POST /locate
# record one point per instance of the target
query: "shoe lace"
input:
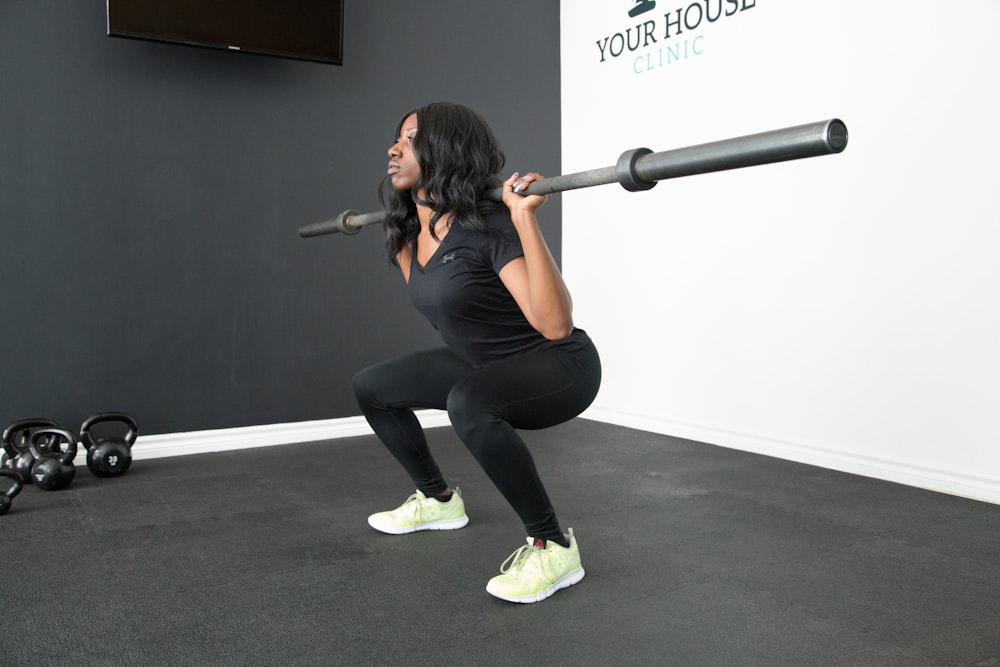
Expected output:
(517, 560)
(411, 506)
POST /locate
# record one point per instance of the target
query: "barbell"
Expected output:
(640, 168)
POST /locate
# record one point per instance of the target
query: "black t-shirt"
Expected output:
(460, 292)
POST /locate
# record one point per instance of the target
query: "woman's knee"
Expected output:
(468, 409)
(365, 385)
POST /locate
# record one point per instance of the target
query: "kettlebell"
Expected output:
(53, 470)
(17, 454)
(13, 490)
(112, 456)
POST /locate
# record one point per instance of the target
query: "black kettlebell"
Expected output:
(17, 454)
(12, 491)
(112, 456)
(53, 470)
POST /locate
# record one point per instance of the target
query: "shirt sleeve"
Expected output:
(502, 246)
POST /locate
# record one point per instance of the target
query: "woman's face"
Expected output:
(403, 169)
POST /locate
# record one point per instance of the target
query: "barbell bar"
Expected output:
(640, 168)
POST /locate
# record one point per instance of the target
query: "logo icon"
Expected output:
(447, 258)
(641, 7)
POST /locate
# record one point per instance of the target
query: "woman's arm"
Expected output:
(534, 280)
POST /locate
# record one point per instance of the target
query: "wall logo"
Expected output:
(672, 37)
(641, 7)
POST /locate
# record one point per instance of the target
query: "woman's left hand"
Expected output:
(518, 203)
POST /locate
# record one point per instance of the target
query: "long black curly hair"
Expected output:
(459, 158)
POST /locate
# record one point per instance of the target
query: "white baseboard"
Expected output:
(220, 440)
(943, 481)
(201, 442)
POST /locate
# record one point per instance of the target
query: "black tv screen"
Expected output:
(301, 29)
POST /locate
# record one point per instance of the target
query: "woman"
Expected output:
(484, 277)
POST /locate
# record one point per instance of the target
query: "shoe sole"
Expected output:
(447, 524)
(565, 581)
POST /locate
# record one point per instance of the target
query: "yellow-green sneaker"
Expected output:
(534, 572)
(421, 513)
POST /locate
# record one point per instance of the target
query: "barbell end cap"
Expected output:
(317, 229)
(836, 135)
(625, 170)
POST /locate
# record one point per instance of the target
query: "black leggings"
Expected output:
(525, 391)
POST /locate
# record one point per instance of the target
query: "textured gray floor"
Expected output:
(695, 555)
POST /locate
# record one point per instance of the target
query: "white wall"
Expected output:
(843, 310)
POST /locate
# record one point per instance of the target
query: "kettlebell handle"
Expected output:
(66, 457)
(88, 439)
(9, 445)
(15, 487)
(11, 492)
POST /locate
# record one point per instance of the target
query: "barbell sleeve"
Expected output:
(640, 168)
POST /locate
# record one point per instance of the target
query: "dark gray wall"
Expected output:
(150, 196)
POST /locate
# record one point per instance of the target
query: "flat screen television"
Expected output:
(300, 29)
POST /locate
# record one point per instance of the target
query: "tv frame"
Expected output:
(164, 36)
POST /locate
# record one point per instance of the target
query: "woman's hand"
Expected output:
(518, 203)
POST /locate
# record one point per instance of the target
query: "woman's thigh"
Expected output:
(417, 380)
(531, 391)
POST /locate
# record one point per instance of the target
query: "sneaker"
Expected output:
(421, 513)
(533, 573)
